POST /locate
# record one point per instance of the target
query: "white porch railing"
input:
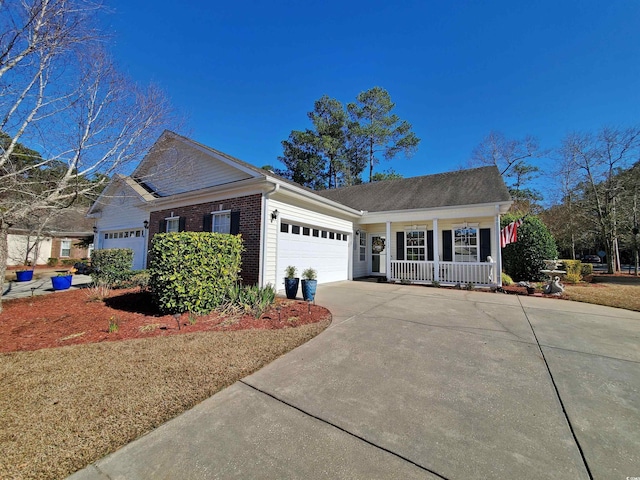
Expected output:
(477, 273)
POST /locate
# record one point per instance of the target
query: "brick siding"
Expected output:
(250, 214)
(76, 252)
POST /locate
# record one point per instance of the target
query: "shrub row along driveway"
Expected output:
(413, 382)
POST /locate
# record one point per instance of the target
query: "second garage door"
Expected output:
(133, 239)
(304, 246)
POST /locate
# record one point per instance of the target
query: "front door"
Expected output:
(378, 254)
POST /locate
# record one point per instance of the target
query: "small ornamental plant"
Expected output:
(290, 272)
(309, 274)
(113, 325)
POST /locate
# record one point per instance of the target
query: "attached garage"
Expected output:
(304, 246)
(133, 239)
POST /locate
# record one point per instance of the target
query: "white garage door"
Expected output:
(304, 246)
(133, 239)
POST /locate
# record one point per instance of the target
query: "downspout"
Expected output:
(263, 235)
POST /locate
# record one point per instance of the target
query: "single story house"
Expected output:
(65, 235)
(438, 228)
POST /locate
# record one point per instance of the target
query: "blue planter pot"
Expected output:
(61, 283)
(291, 287)
(309, 289)
(24, 275)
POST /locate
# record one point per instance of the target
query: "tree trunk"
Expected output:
(609, 249)
(4, 245)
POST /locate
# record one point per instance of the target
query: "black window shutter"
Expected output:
(182, 222)
(485, 243)
(207, 223)
(162, 227)
(399, 245)
(430, 245)
(235, 223)
(447, 246)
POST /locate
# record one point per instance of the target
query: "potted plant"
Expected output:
(24, 274)
(62, 281)
(309, 284)
(291, 282)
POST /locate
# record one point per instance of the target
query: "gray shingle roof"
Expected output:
(462, 187)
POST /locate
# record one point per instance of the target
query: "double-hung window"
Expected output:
(415, 244)
(173, 224)
(221, 222)
(65, 248)
(465, 244)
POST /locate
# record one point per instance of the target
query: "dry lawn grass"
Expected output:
(609, 294)
(64, 408)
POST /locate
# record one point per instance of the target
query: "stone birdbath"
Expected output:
(551, 269)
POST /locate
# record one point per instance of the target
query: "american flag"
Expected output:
(509, 234)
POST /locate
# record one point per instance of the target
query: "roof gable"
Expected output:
(176, 164)
(121, 187)
(463, 187)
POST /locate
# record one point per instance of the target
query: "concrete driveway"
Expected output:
(417, 382)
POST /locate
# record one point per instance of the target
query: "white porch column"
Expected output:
(388, 256)
(498, 267)
(436, 251)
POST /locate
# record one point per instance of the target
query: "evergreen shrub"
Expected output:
(524, 259)
(193, 271)
(111, 266)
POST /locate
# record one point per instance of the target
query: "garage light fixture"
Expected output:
(146, 224)
(274, 215)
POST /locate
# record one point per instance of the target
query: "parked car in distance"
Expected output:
(591, 259)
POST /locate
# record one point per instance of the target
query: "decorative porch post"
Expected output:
(436, 251)
(498, 266)
(388, 256)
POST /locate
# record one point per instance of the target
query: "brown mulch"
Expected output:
(64, 408)
(74, 317)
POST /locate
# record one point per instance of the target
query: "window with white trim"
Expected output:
(221, 222)
(65, 248)
(465, 244)
(415, 246)
(173, 224)
(363, 246)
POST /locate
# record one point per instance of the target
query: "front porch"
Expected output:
(482, 274)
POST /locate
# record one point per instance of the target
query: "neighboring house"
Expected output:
(67, 235)
(442, 228)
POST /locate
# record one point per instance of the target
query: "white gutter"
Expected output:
(316, 199)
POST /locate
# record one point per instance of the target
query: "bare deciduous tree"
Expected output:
(61, 95)
(513, 158)
(597, 162)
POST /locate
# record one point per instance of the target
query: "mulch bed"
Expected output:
(73, 317)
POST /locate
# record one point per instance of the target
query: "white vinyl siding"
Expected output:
(170, 172)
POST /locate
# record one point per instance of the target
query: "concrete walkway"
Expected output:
(40, 286)
(416, 382)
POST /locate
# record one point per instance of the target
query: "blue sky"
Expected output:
(245, 73)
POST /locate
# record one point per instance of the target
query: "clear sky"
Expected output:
(245, 73)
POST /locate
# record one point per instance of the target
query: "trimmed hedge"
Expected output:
(111, 266)
(193, 271)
